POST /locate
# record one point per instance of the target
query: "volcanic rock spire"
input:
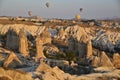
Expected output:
(23, 43)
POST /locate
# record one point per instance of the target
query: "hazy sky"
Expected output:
(61, 8)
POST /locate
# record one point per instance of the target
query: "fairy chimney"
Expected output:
(23, 43)
(39, 48)
(89, 49)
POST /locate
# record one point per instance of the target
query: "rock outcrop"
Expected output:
(116, 60)
(77, 40)
(39, 48)
(105, 61)
(23, 43)
(45, 37)
(12, 40)
(43, 67)
(12, 61)
(51, 49)
(96, 61)
(51, 73)
(89, 49)
(107, 40)
(102, 61)
(10, 74)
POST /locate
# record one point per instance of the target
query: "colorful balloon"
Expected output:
(78, 16)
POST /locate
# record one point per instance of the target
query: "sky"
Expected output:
(66, 9)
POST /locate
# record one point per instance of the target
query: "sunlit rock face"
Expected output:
(89, 49)
(105, 61)
(45, 36)
(116, 60)
(10, 74)
(23, 43)
(102, 60)
(39, 48)
(30, 29)
(96, 61)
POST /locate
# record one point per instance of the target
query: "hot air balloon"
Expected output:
(81, 9)
(78, 16)
(30, 13)
(47, 4)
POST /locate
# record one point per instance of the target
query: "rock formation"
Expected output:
(102, 60)
(84, 38)
(105, 61)
(82, 49)
(12, 61)
(96, 61)
(79, 47)
(23, 43)
(61, 34)
(77, 40)
(45, 37)
(89, 49)
(116, 60)
(43, 67)
(9, 74)
(72, 44)
(49, 73)
(107, 40)
(12, 40)
(51, 49)
(39, 48)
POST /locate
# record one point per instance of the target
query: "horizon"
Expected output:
(91, 9)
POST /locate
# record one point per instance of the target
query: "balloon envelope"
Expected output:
(30, 13)
(47, 4)
(78, 16)
(81, 9)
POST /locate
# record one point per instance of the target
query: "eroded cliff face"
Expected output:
(78, 38)
(30, 29)
(106, 40)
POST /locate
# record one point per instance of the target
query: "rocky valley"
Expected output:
(59, 49)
